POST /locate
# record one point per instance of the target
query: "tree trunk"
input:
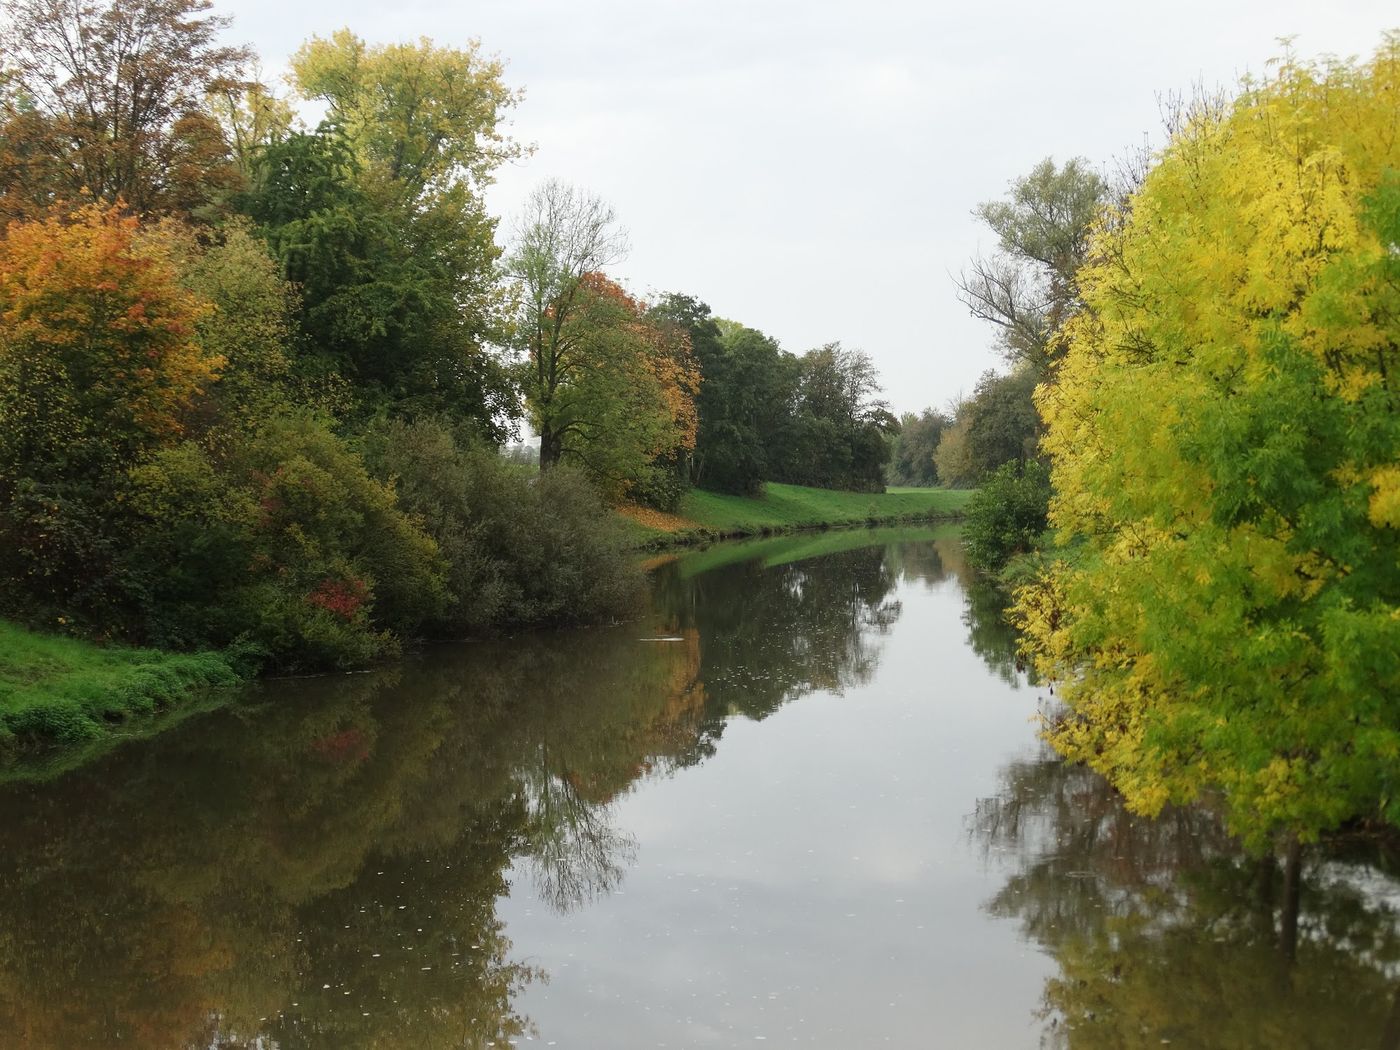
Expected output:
(551, 447)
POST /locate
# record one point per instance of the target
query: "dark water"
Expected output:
(799, 803)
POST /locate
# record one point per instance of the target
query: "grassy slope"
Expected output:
(788, 507)
(56, 689)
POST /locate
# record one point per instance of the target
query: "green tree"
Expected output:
(628, 406)
(562, 236)
(1007, 514)
(1028, 288)
(839, 434)
(745, 401)
(998, 424)
(911, 454)
(1224, 437)
(395, 291)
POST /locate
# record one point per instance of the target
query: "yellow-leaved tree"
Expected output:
(1225, 432)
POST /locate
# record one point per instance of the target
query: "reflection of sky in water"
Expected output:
(813, 881)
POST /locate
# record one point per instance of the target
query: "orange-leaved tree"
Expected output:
(99, 358)
(99, 364)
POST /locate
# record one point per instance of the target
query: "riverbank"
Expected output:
(707, 516)
(56, 690)
(65, 691)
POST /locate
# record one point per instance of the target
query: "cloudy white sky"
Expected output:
(809, 167)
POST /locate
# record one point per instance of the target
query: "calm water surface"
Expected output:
(799, 802)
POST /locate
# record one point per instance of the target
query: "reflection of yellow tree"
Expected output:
(1165, 933)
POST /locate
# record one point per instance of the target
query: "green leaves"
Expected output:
(1224, 436)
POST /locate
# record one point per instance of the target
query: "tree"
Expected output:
(998, 424)
(745, 402)
(1007, 514)
(100, 365)
(421, 116)
(911, 455)
(1224, 436)
(117, 95)
(563, 235)
(248, 325)
(396, 292)
(1028, 288)
(99, 361)
(629, 399)
(838, 437)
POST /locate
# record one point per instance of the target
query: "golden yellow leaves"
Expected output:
(1225, 447)
(1385, 498)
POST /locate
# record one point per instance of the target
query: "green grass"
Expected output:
(63, 691)
(786, 508)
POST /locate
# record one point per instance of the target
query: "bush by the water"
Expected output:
(517, 546)
(1007, 515)
(280, 538)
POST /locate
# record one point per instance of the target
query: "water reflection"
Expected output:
(1164, 933)
(331, 864)
(321, 866)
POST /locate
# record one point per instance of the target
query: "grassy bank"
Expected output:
(707, 516)
(61, 690)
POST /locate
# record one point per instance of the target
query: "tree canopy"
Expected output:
(108, 103)
(1224, 433)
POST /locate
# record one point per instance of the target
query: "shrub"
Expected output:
(521, 548)
(281, 540)
(1007, 515)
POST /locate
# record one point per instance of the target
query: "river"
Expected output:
(800, 801)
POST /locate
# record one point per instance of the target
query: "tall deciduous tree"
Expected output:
(1028, 288)
(563, 235)
(116, 95)
(1225, 433)
(396, 290)
(99, 358)
(911, 455)
(839, 435)
(630, 396)
(427, 116)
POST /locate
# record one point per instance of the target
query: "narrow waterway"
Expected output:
(798, 802)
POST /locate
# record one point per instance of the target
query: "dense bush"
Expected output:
(281, 539)
(519, 547)
(1007, 515)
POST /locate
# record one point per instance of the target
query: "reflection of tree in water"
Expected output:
(321, 867)
(576, 851)
(1166, 934)
(772, 634)
(989, 632)
(324, 870)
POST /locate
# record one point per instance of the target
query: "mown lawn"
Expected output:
(62, 690)
(787, 507)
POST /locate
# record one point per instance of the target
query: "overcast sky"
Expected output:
(809, 168)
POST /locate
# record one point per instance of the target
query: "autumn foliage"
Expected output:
(99, 361)
(1225, 431)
